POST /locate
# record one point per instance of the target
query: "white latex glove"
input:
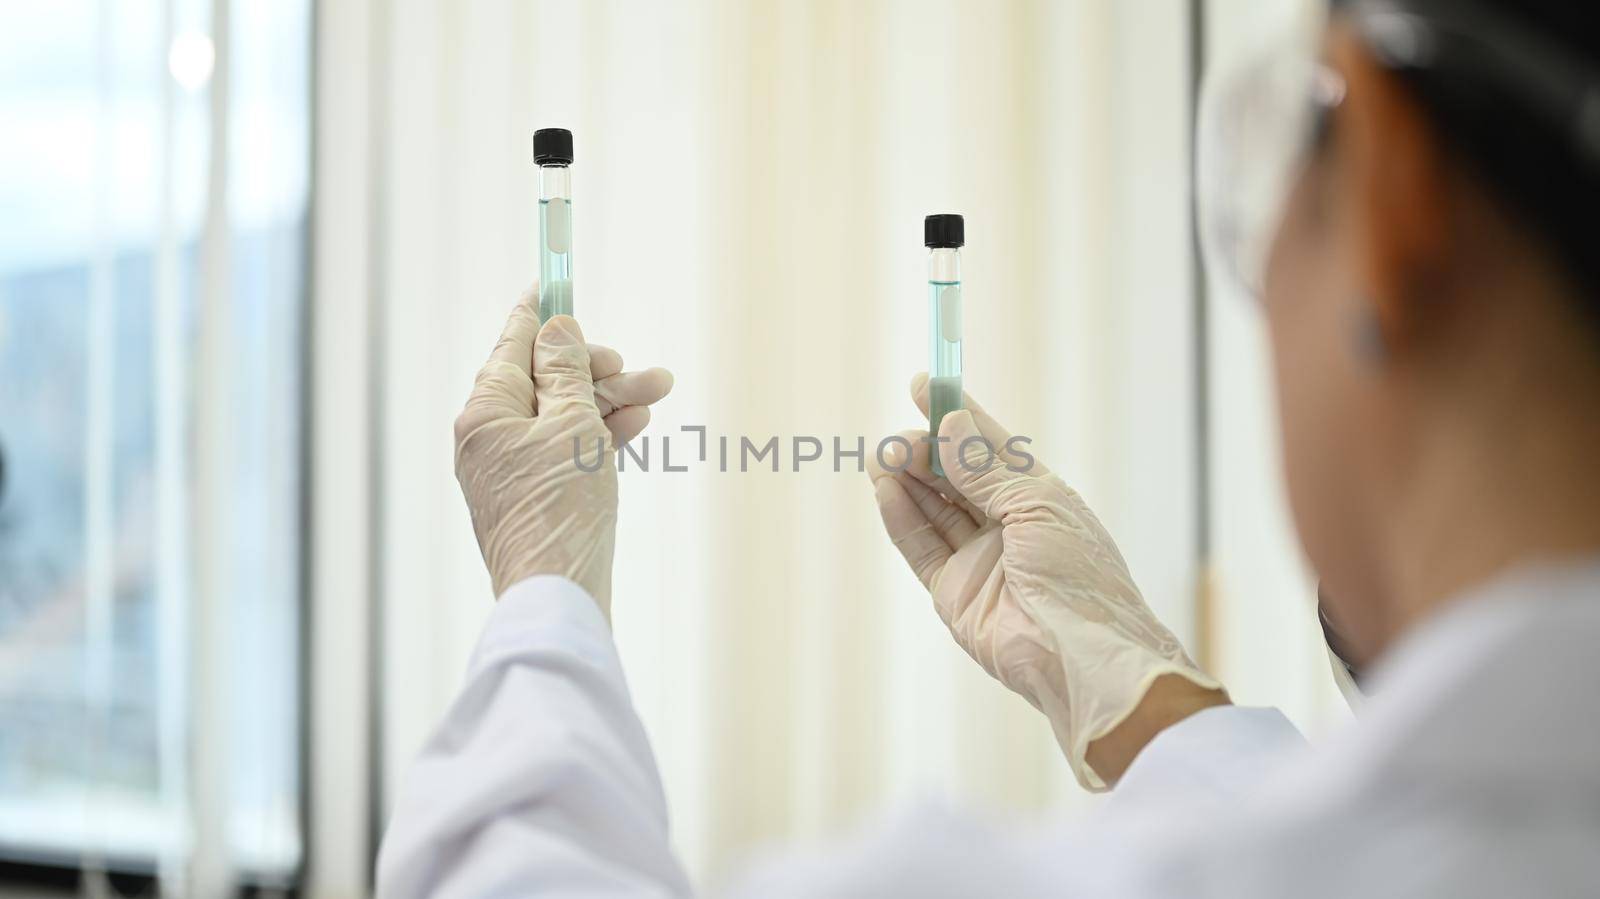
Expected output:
(1028, 581)
(534, 509)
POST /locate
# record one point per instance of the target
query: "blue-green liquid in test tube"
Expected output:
(552, 150)
(944, 235)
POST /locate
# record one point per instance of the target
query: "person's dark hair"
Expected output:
(1534, 168)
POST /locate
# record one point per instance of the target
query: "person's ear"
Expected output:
(1396, 195)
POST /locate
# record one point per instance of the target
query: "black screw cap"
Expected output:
(944, 230)
(552, 146)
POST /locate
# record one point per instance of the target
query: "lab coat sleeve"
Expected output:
(539, 780)
(1211, 756)
(1126, 848)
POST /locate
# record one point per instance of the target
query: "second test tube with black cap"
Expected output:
(552, 150)
(943, 235)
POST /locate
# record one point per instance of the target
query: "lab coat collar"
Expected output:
(1501, 683)
(1479, 619)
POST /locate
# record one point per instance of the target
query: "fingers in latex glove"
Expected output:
(504, 386)
(615, 390)
(924, 548)
(1026, 578)
(603, 362)
(916, 465)
(624, 399)
(530, 421)
(924, 524)
(979, 470)
(627, 423)
(996, 436)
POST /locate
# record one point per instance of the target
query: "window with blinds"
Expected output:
(153, 203)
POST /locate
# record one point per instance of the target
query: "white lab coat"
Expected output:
(1474, 770)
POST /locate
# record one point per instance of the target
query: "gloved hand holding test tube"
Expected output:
(552, 150)
(943, 235)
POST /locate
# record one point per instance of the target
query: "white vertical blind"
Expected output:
(98, 486)
(210, 863)
(172, 370)
(345, 253)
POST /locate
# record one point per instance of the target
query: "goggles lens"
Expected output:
(1256, 124)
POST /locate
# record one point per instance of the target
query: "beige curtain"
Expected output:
(748, 192)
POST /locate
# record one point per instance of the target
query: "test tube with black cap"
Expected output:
(943, 235)
(552, 150)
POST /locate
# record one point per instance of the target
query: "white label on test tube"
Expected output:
(950, 313)
(558, 225)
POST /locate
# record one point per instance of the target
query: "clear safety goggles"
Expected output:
(1259, 121)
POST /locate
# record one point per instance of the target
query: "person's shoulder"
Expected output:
(1393, 829)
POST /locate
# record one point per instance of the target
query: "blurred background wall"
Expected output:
(749, 185)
